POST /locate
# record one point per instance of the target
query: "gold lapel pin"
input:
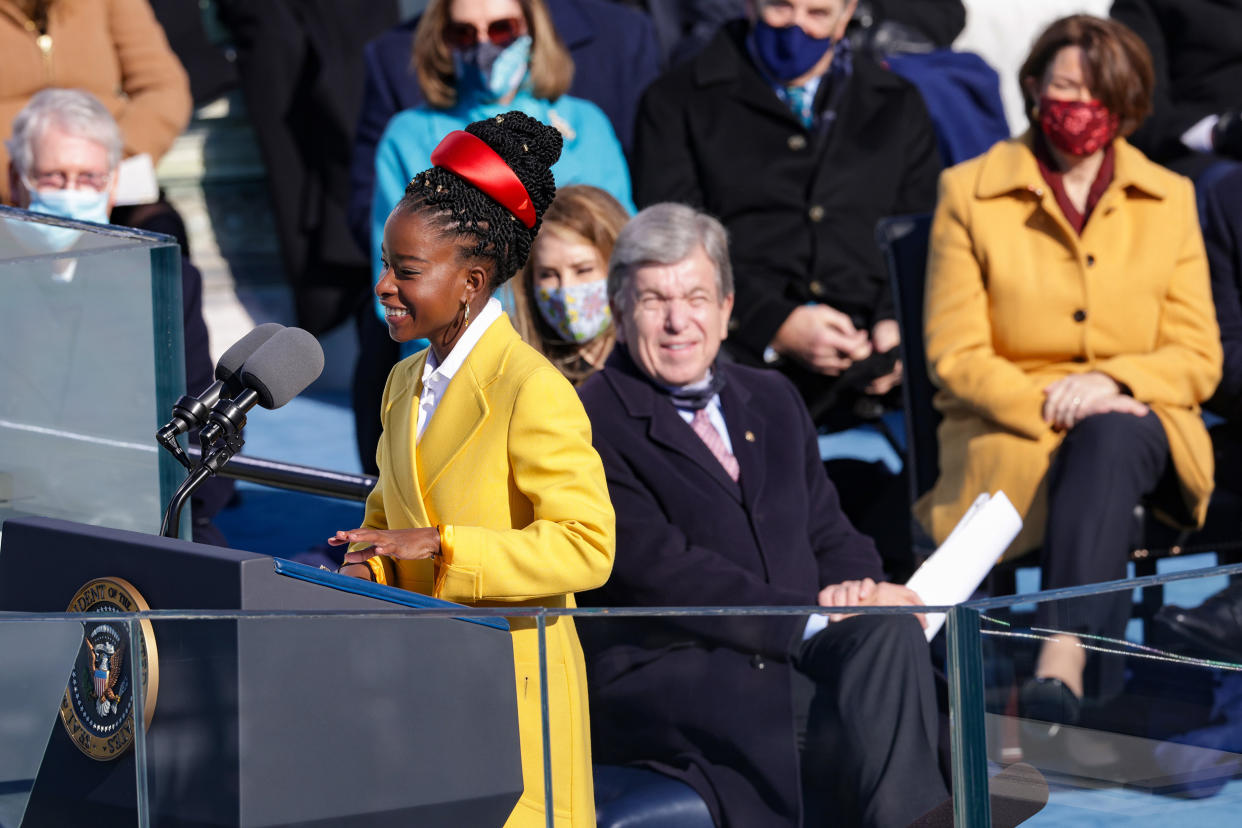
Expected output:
(750, 436)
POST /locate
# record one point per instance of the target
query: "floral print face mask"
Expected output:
(1077, 128)
(578, 313)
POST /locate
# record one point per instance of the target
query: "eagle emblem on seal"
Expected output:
(107, 649)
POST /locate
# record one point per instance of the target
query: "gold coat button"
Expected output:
(797, 142)
(817, 288)
(816, 213)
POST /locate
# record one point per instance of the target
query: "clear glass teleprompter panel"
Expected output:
(39, 656)
(737, 710)
(91, 360)
(249, 719)
(1156, 738)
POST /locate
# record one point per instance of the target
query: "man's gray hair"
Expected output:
(77, 113)
(665, 234)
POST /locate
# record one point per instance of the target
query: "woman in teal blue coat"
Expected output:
(479, 58)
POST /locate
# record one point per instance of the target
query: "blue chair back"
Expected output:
(904, 242)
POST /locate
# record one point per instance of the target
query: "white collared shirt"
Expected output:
(437, 375)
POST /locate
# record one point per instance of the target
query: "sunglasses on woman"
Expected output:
(500, 32)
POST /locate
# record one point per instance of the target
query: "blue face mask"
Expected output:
(491, 71)
(78, 205)
(787, 53)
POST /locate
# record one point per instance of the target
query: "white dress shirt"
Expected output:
(437, 375)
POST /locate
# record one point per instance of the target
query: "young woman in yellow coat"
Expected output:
(1070, 328)
(489, 491)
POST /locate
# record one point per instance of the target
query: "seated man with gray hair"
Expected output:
(721, 500)
(64, 154)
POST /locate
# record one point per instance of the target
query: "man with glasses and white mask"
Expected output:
(64, 154)
(721, 500)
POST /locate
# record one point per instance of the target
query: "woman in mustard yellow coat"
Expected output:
(489, 492)
(1070, 328)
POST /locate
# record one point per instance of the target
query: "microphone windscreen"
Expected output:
(283, 366)
(228, 369)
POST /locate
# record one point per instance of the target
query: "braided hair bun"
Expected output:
(492, 232)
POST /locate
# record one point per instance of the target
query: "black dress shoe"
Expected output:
(1049, 700)
(1214, 627)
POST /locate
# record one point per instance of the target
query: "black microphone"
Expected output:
(189, 412)
(277, 372)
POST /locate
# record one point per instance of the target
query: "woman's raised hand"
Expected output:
(402, 544)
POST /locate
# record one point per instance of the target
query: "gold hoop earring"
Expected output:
(460, 321)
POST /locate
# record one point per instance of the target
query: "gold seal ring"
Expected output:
(97, 709)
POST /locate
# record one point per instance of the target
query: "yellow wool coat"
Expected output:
(506, 469)
(1016, 299)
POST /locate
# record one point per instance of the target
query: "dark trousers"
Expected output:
(870, 750)
(1104, 467)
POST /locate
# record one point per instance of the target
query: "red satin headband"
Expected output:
(471, 158)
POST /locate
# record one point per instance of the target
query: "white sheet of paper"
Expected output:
(955, 570)
(135, 181)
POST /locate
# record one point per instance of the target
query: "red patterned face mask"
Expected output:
(1076, 127)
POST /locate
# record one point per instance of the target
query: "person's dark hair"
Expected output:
(1117, 66)
(492, 233)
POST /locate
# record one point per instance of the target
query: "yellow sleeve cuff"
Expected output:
(379, 572)
(456, 578)
(446, 545)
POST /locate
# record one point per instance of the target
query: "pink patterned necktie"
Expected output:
(702, 425)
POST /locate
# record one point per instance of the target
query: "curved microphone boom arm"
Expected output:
(209, 467)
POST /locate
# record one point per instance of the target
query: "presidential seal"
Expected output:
(98, 707)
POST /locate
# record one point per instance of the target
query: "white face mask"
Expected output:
(579, 313)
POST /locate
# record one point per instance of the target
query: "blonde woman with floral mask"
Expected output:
(561, 299)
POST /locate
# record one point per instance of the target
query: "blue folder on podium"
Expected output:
(318, 718)
(380, 592)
